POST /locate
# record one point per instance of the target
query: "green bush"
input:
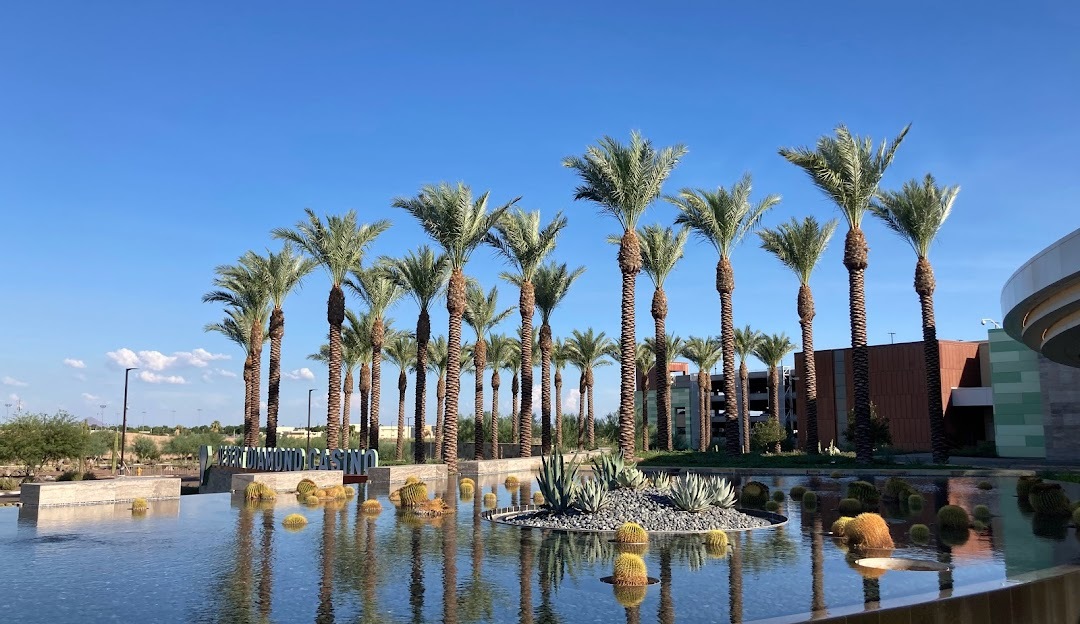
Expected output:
(1024, 485)
(8, 483)
(879, 428)
(772, 506)
(764, 436)
(919, 533)
(70, 475)
(809, 499)
(145, 449)
(981, 512)
(953, 517)
(33, 440)
(1049, 499)
(754, 494)
(915, 502)
(850, 507)
(778, 496)
(897, 489)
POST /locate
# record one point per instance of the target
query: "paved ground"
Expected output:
(1004, 463)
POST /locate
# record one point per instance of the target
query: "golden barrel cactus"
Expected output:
(629, 570)
(631, 533)
(868, 530)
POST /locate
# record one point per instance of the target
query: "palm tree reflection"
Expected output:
(416, 580)
(266, 567)
(324, 613)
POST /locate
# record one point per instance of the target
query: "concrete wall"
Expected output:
(1060, 391)
(1018, 397)
(286, 481)
(122, 489)
(384, 475)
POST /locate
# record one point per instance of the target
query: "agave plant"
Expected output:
(557, 481)
(632, 479)
(591, 496)
(661, 481)
(721, 493)
(690, 492)
(608, 467)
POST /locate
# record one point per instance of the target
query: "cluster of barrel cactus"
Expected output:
(259, 491)
(867, 531)
(754, 494)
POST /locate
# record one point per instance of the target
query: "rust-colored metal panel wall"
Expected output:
(826, 383)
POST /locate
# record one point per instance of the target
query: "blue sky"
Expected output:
(143, 144)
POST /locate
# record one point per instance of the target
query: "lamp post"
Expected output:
(308, 424)
(992, 322)
(123, 435)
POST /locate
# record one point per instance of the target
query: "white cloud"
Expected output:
(124, 357)
(572, 401)
(91, 398)
(225, 373)
(210, 375)
(80, 376)
(155, 378)
(300, 373)
(14, 398)
(199, 357)
(11, 381)
(158, 361)
(73, 363)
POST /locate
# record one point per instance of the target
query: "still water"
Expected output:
(215, 558)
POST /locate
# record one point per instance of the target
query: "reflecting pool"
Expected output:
(217, 558)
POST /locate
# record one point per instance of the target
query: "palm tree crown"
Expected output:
(917, 211)
(722, 218)
(421, 273)
(552, 282)
(661, 248)
(702, 352)
(799, 245)
(482, 310)
(338, 245)
(674, 349)
(773, 349)
(519, 238)
(747, 341)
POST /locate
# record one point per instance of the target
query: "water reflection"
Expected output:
(416, 578)
(525, 554)
(266, 564)
(449, 589)
(324, 612)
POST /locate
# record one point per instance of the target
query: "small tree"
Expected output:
(32, 440)
(879, 428)
(765, 436)
(145, 449)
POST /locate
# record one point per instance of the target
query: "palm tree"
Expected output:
(499, 350)
(848, 169)
(623, 180)
(243, 287)
(723, 218)
(552, 282)
(423, 275)
(661, 248)
(401, 351)
(284, 273)
(661, 371)
(591, 350)
(747, 342)
(238, 326)
(355, 349)
(916, 212)
(513, 364)
(378, 291)
(771, 351)
(519, 238)
(559, 357)
(459, 224)
(800, 245)
(339, 246)
(704, 353)
(439, 362)
(482, 314)
(646, 362)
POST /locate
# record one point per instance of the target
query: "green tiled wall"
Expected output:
(1018, 406)
(680, 397)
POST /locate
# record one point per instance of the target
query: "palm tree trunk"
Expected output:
(592, 420)
(704, 413)
(663, 390)
(346, 408)
(856, 261)
(335, 316)
(256, 377)
(809, 373)
(495, 383)
(666, 614)
(774, 400)
(629, 266)
(378, 335)
(725, 285)
(440, 406)
(479, 363)
(525, 556)
(449, 545)
(924, 286)
(324, 613)
(402, 385)
(266, 567)
(277, 332)
(581, 412)
(423, 336)
(558, 409)
(545, 388)
(744, 408)
(527, 304)
(247, 398)
(735, 580)
(645, 415)
(416, 576)
(817, 567)
(365, 396)
(455, 305)
(515, 422)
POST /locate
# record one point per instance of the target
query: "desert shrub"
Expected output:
(591, 496)
(690, 492)
(251, 492)
(145, 449)
(797, 492)
(632, 479)
(915, 502)
(89, 476)
(7, 483)
(371, 506)
(754, 494)
(837, 528)
(294, 521)
(717, 539)
(1024, 485)
(629, 569)
(864, 492)
(33, 440)
(951, 517)
(764, 436)
(868, 530)
(1049, 499)
(772, 506)
(70, 475)
(778, 496)
(661, 481)
(981, 512)
(919, 533)
(306, 486)
(631, 533)
(985, 485)
(557, 481)
(809, 500)
(850, 507)
(879, 428)
(721, 492)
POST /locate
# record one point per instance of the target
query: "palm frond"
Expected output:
(702, 352)
(589, 349)
(551, 283)
(661, 248)
(722, 217)
(338, 244)
(747, 341)
(519, 238)
(422, 274)
(773, 349)
(482, 311)
(799, 245)
(917, 211)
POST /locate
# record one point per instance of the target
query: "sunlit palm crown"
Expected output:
(242, 285)
(482, 311)
(355, 339)
(500, 349)
(624, 179)
(674, 346)
(285, 271)
(438, 358)
(847, 168)
(551, 282)
(773, 348)
(588, 350)
(799, 244)
(376, 289)
(421, 273)
(560, 354)
(645, 358)
(338, 245)
(467, 361)
(519, 238)
(747, 341)
(917, 211)
(722, 218)
(661, 248)
(453, 219)
(702, 352)
(401, 350)
(236, 326)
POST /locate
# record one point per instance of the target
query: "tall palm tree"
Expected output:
(243, 286)
(623, 180)
(661, 371)
(916, 212)
(772, 350)
(237, 326)
(559, 357)
(459, 224)
(848, 169)
(482, 314)
(499, 350)
(661, 248)
(747, 341)
(703, 353)
(799, 245)
(513, 364)
(338, 245)
(439, 362)
(591, 350)
(401, 351)
(646, 362)
(378, 291)
(355, 349)
(552, 282)
(423, 275)
(284, 273)
(723, 218)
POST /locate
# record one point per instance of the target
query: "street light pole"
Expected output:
(308, 424)
(123, 435)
